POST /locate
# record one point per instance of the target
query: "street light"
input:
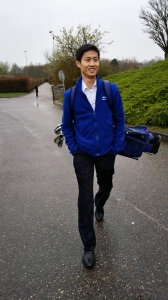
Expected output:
(52, 33)
(26, 63)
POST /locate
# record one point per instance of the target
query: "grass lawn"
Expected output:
(11, 95)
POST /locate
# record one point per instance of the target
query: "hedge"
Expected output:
(19, 84)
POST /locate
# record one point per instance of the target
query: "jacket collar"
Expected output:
(79, 82)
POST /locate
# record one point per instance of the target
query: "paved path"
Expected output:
(40, 246)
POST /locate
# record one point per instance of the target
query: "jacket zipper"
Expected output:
(97, 137)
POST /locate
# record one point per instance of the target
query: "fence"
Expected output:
(58, 91)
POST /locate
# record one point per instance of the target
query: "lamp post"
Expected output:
(52, 33)
(26, 63)
(54, 61)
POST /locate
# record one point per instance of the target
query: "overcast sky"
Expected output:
(25, 26)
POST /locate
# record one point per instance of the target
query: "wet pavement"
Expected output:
(41, 252)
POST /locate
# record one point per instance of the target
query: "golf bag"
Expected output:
(137, 138)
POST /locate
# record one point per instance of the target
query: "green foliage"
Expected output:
(145, 94)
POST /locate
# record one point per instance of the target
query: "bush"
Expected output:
(19, 84)
(145, 94)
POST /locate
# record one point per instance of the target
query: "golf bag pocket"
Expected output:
(133, 147)
(135, 140)
(153, 143)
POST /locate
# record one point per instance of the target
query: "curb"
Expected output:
(57, 102)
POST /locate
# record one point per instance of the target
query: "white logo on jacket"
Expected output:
(104, 98)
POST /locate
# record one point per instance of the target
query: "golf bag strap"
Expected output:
(108, 92)
(73, 94)
(72, 98)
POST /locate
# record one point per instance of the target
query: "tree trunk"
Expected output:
(166, 54)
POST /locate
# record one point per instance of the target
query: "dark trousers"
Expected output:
(84, 168)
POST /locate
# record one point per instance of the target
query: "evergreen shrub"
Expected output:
(145, 94)
(19, 84)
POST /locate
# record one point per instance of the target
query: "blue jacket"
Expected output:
(93, 131)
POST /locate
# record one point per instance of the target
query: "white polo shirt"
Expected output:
(90, 93)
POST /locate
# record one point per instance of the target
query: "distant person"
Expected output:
(36, 88)
(94, 142)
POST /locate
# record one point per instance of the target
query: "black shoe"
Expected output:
(99, 216)
(89, 259)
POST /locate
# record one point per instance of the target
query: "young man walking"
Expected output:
(94, 137)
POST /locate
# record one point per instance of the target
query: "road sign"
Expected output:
(61, 75)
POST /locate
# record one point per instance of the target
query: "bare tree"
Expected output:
(68, 41)
(4, 68)
(15, 70)
(156, 23)
(66, 44)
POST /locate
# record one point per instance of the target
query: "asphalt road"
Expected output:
(41, 252)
